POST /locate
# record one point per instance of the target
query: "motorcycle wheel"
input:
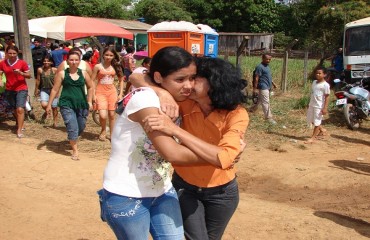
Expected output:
(95, 116)
(351, 116)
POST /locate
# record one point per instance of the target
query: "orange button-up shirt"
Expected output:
(222, 128)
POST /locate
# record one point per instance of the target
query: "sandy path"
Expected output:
(321, 192)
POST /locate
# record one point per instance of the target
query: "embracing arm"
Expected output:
(166, 146)
(143, 80)
(168, 103)
(222, 155)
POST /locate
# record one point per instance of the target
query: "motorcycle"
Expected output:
(354, 99)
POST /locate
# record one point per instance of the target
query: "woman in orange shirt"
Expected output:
(106, 95)
(213, 127)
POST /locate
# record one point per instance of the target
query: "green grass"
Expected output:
(295, 69)
(289, 109)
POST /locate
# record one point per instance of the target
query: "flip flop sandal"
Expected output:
(20, 135)
(102, 138)
(75, 158)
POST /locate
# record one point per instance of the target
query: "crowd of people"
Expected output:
(171, 172)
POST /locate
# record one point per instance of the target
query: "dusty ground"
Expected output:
(288, 190)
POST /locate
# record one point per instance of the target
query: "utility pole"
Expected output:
(22, 36)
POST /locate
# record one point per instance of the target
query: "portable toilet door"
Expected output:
(181, 34)
(210, 40)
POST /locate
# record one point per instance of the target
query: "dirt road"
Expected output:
(319, 191)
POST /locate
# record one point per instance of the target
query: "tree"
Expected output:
(37, 8)
(326, 31)
(155, 11)
(263, 16)
(234, 16)
(98, 8)
(6, 7)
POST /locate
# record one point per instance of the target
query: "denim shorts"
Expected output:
(75, 121)
(134, 218)
(16, 99)
(44, 97)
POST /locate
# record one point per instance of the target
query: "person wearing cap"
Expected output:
(78, 44)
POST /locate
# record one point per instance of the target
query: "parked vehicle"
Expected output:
(354, 99)
(356, 50)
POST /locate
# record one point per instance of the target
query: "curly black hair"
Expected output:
(224, 81)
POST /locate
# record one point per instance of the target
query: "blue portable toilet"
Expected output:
(210, 40)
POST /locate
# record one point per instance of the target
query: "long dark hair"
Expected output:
(168, 60)
(115, 61)
(224, 81)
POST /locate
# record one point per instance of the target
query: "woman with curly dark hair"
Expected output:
(213, 127)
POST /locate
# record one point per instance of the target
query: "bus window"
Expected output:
(357, 41)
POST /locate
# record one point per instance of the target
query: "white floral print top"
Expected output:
(135, 169)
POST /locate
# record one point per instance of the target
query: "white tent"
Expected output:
(6, 26)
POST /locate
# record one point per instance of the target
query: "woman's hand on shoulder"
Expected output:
(168, 104)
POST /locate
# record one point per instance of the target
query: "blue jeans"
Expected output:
(75, 121)
(133, 218)
(206, 211)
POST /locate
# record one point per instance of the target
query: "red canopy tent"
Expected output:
(72, 27)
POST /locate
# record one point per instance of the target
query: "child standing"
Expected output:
(318, 103)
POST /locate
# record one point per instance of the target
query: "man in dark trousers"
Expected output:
(262, 84)
(38, 54)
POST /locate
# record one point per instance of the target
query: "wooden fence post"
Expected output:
(284, 74)
(240, 49)
(305, 69)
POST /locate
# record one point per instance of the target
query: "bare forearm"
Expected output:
(140, 80)
(255, 82)
(53, 94)
(121, 86)
(326, 103)
(27, 74)
(207, 152)
(90, 94)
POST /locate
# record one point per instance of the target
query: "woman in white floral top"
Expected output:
(137, 195)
